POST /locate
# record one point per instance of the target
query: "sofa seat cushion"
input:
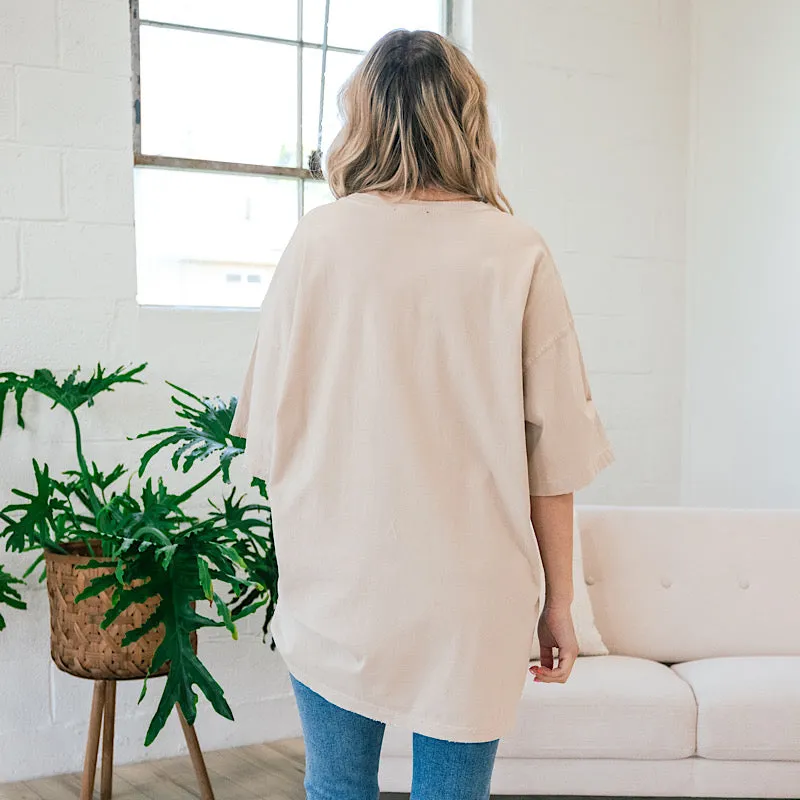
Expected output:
(748, 707)
(610, 707)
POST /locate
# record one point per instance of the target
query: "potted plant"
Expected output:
(127, 563)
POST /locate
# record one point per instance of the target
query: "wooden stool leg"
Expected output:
(93, 740)
(107, 764)
(196, 754)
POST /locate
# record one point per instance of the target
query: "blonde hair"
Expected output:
(415, 117)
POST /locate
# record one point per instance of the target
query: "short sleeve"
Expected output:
(566, 442)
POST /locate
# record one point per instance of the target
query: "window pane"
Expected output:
(218, 98)
(210, 239)
(338, 69)
(265, 17)
(316, 193)
(359, 23)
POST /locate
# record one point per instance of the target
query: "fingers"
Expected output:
(547, 673)
(546, 656)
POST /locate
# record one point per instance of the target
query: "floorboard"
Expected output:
(272, 771)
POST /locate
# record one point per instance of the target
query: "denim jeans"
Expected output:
(343, 750)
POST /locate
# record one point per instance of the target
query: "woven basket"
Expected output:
(78, 645)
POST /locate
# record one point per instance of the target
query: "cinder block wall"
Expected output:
(590, 100)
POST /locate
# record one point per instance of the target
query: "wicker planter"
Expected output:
(78, 645)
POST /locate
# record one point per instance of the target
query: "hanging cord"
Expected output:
(315, 160)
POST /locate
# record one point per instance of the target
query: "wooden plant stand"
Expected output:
(101, 720)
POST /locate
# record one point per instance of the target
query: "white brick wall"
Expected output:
(606, 190)
(591, 105)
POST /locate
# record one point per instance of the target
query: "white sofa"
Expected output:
(700, 694)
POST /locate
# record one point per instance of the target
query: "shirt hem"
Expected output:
(576, 482)
(389, 716)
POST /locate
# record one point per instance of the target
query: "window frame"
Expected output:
(204, 165)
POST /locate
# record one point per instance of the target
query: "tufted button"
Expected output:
(588, 580)
(666, 583)
(744, 583)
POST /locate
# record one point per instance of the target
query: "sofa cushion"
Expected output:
(652, 571)
(610, 707)
(748, 707)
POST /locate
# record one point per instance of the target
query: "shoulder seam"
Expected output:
(550, 343)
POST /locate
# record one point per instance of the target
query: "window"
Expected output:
(232, 100)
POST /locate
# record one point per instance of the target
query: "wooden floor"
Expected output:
(266, 771)
(271, 771)
(259, 772)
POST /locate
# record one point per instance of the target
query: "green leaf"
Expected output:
(207, 433)
(29, 524)
(225, 614)
(9, 595)
(150, 624)
(97, 586)
(205, 579)
(124, 599)
(36, 562)
(72, 393)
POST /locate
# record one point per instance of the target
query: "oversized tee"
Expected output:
(416, 376)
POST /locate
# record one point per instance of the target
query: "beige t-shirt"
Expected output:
(416, 376)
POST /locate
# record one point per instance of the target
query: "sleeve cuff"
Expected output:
(573, 481)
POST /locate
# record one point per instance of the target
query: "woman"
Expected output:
(415, 398)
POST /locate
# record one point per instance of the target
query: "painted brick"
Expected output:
(28, 630)
(9, 261)
(623, 110)
(611, 38)
(72, 697)
(77, 260)
(227, 660)
(7, 115)
(641, 12)
(95, 36)
(99, 186)
(636, 401)
(643, 450)
(614, 344)
(631, 492)
(139, 334)
(249, 726)
(35, 441)
(620, 286)
(73, 109)
(31, 183)
(28, 32)
(28, 708)
(673, 18)
(131, 409)
(611, 229)
(58, 333)
(49, 752)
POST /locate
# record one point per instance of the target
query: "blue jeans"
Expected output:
(343, 750)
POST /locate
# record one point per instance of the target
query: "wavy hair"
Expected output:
(415, 117)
